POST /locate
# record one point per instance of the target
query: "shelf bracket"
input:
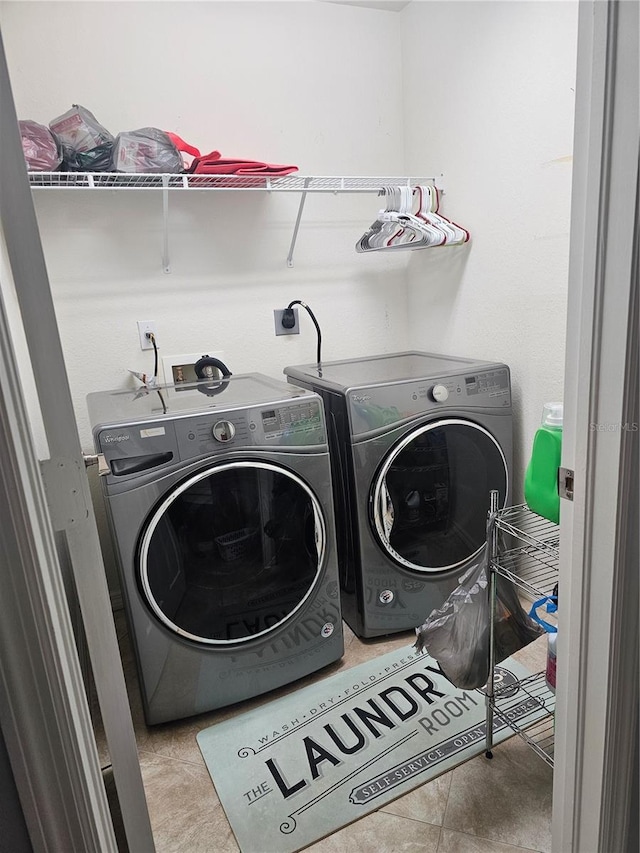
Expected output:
(303, 198)
(166, 267)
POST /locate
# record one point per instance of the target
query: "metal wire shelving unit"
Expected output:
(167, 183)
(534, 727)
(524, 549)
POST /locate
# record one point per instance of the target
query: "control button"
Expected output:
(252, 426)
(439, 393)
(191, 436)
(223, 431)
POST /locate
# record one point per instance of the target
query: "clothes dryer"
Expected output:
(418, 440)
(220, 504)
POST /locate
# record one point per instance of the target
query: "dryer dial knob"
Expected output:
(439, 393)
(223, 431)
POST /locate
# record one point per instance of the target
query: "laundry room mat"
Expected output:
(301, 767)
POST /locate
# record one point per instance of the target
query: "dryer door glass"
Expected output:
(431, 496)
(232, 553)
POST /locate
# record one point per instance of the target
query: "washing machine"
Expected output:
(418, 440)
(219, 499)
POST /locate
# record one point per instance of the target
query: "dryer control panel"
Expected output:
(493, 384)
(379, 406)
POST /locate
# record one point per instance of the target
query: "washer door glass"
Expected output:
(232, 552)
(431, 496)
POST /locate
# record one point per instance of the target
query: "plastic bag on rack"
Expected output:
(457, 634)
(86, 145)
(39, 146)
(149, 150)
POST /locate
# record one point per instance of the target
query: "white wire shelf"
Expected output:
(167, 183)
(269, 183)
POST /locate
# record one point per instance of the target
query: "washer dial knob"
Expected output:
(223, 431)
(439, 393)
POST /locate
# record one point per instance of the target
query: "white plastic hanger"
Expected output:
(396, 228)
(422, 233)
(428, 205)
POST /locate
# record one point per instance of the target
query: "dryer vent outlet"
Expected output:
(281, 314)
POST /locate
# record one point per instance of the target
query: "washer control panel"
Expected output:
(294, 424)
(300, 419)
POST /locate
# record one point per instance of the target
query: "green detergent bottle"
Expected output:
(541, 478)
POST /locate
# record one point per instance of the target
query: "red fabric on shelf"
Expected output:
(181, 145)
(213, 164)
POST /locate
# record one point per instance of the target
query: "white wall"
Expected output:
(488, 97)
(294, 83)
(480, 91)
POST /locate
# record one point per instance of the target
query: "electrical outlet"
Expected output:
(280, 329)
(145, 326)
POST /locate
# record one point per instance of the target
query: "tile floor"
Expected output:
(498, 806)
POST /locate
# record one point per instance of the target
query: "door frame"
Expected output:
(596, 744)
(45, 718)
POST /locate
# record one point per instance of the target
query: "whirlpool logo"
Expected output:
(121, 436)
(360, 398)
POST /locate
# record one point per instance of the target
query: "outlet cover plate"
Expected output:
(280, 330)
(145, 326)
